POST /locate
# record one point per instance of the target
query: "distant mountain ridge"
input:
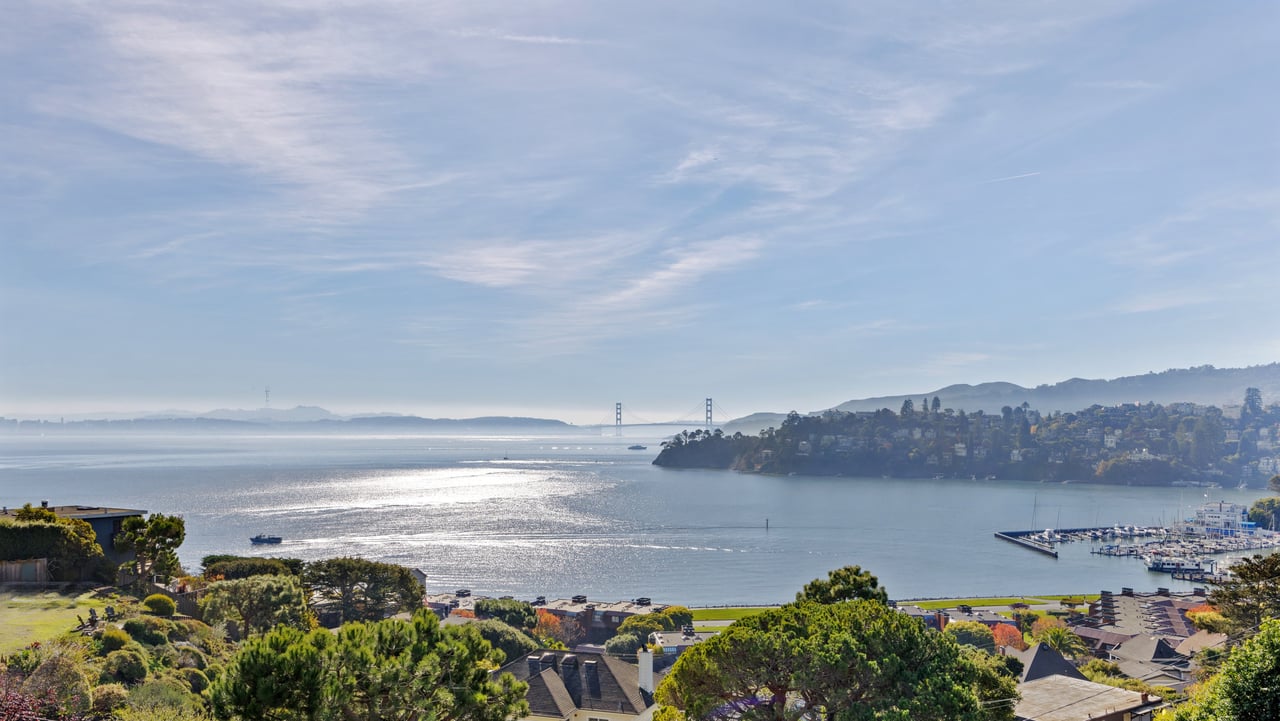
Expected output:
(1202, 385)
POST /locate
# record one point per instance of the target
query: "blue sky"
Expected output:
(464, 208)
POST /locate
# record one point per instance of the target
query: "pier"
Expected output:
(1023, 538)
(1043, 541)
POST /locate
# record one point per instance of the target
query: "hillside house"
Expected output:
(106, 523)
(578, 686)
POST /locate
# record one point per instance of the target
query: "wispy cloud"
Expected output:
(1007, 178)
(1120, 85)
(223, 93)
(495, 34)
(1160, 301)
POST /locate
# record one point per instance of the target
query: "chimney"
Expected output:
(941, 619)
(535, 664)
(1146, 697)
(646, 671)
(44, 504)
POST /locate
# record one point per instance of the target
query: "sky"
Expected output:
(544, 208)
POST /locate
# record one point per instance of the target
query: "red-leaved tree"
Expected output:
(1008, 635)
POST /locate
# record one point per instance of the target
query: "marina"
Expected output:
(1217, 529)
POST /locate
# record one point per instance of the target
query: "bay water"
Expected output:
(527, 516)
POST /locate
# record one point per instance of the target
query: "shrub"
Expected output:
(513, 642)
(642, 625)
(169, 694)
(165, 655)
(194, 678)
(232, 568)
(293, 566)
(516, 614)
(624, 644)
(126, 666)
(213, 671)
(148, 629)
(113, 639)
(26, 661)
(108, 697)
(679, 615)
(160, 604)
(63, 677)
(190, 657)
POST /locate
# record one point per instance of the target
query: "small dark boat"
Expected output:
(264, 538)
(636, 447)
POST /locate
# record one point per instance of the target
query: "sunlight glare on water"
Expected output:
(529, 516)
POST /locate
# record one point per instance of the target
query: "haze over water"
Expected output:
(561, 516)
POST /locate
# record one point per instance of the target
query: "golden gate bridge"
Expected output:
(689, 418)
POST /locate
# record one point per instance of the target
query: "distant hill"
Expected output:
(296, 420)
(1203, 385)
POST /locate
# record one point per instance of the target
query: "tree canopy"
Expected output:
(154, 541)
(851, 661)
(1251, 594)
(392, 669)
(511, 641)
(258, 603)
(844, 584)
(518, 614)
(363, 590)
(1246, 685)
(972, 633)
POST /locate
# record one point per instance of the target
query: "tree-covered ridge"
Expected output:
(1148, 444)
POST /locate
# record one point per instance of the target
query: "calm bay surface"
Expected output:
(530, 516)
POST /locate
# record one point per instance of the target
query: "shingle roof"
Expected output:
(561, 682)
(1147, 648)
(1058, 698)
(1200, 641)
(1099, 636)
(1040, 661)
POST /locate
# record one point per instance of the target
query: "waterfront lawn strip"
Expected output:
(41, 615)
(726, 614)
(943, 603)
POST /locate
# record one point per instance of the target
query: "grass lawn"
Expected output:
(1001, 601)
(42, 615)
(1088, 597)
(724, 614)
(953, 602)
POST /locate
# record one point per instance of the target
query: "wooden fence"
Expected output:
(35, 570)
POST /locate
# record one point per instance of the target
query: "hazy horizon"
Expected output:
(465, 209)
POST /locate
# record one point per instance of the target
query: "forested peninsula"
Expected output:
(1137, 444)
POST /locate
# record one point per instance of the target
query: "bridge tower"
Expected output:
(617, 418)
(710, 424)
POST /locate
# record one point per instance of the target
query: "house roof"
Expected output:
(1040, 661)
(1199, 642)
(1059, 698)
(1100, 636)
(1147, 648)
(561, 682)
(85, 512)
